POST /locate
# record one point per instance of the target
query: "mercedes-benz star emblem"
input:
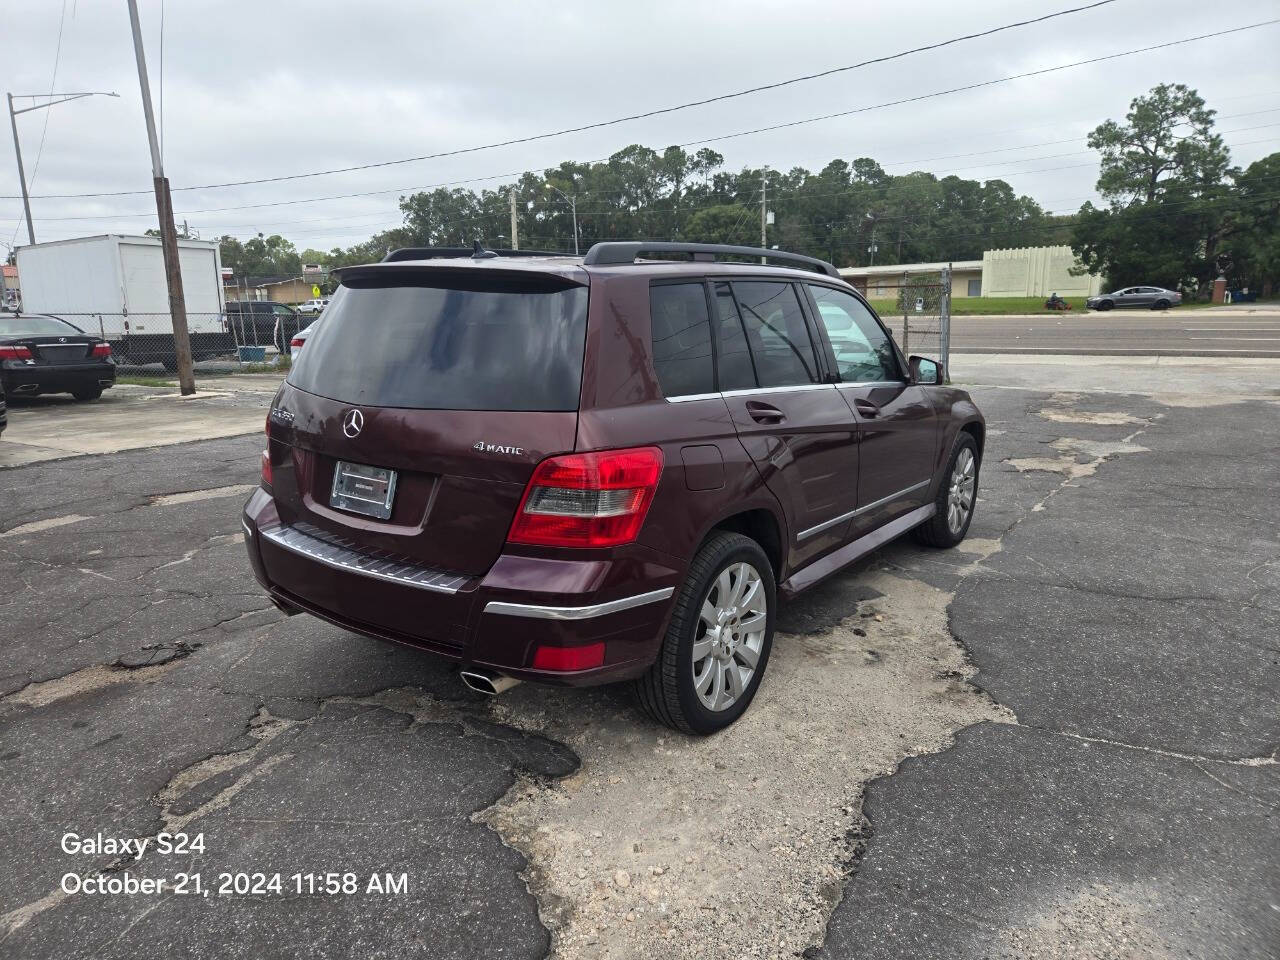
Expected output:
(353, 423)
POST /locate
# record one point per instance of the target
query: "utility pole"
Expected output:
(764, 211)
(22, 177)
(164, 210)
(515, 240)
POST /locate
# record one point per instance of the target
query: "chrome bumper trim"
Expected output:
(576, 613)
(334, 551)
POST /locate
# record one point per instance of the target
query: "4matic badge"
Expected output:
(481, 447)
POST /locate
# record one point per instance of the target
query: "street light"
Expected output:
(17, 149)
(573, 210)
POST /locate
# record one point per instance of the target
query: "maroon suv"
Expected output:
(587, 470)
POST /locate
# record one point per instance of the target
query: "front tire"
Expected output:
(957, 495)
(1105, 305)
(717, 644)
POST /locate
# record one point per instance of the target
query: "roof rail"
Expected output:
(613, 253)
(438, 253)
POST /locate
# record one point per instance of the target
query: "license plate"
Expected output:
(363, 489)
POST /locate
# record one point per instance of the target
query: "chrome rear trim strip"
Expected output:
(576, 613)
(336, 552)
(827, 524)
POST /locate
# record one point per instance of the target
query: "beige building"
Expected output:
(1023, 272)
(1035, 272)
(877, 283)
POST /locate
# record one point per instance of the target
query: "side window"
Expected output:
(776, 333)
(864, 353)
(736, 371)
(681, 338)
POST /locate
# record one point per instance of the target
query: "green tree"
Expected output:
(272, 256)
(1255, 246)
(1165, 176)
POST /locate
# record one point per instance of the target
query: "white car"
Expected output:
(313, 306)
(300, 339)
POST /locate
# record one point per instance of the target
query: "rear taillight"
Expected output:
(588, 499)
(102, 349)
(297, 342)
(15, 353)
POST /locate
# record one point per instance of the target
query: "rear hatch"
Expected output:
(416, 414)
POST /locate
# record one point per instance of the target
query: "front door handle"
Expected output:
(866, 408)
(764, 412)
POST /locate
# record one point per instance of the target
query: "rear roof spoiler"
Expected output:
(614, 253)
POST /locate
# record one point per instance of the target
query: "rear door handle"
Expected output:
(764, 412)
(866, 408)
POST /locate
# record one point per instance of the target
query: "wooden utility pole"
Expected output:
(764, 211)
(515, 240)
(164, 210)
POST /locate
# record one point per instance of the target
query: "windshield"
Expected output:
(36, 327)
(464, 343)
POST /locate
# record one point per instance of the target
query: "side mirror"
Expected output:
(925, 371)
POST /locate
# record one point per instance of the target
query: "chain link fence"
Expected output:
(922, 321)
(232, 339)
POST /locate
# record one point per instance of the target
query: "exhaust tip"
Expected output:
(490, 684)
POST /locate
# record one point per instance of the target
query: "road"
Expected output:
(1059, 740)
(1242, 333)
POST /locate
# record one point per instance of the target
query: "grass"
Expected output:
(146, 381)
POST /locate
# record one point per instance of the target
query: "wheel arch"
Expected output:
(760, 524)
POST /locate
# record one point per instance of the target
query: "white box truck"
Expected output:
(114, 285)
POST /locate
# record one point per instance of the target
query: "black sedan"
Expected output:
(41, 354)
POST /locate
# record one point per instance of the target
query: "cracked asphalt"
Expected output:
(1059, 741)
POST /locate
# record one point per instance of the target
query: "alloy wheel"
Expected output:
(960, 496)
(731, 630)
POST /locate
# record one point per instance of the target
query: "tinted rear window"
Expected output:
(26, 326)
(487, 344)
(681, 339)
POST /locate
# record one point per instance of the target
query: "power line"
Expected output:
(793, 123)
(656, 112)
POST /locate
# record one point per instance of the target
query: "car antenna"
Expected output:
(481, 253)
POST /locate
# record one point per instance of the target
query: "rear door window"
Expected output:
(681, 333)
(776, 333)
(449, 343)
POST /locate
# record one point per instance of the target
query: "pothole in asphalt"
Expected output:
(738, 843)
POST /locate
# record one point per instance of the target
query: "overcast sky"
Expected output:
(270, 88)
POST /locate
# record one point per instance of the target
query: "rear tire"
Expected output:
(669, 691)
(86, 395)
(1160, 305)
(961, 477)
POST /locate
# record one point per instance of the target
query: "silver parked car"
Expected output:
(300, 339)
(1154, 298)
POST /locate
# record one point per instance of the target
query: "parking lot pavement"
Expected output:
(1104, 785)
(129, 417)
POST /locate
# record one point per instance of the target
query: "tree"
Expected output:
(272, 256)
(1255, 248)
(1168, 194)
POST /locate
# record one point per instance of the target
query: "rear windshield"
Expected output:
(21, 326)
(474, 344)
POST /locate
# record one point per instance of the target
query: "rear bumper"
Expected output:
(23, 379)
(496, 621)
